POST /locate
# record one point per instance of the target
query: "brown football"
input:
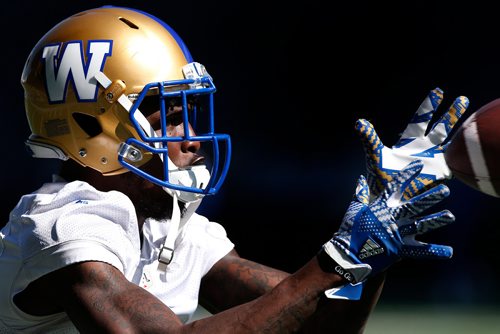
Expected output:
(473, 155)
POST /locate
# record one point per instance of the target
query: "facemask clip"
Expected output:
(129, 152)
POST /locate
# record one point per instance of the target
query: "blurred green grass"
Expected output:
(434, 319)
(426, 319)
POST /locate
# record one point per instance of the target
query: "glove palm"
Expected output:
(384, 162)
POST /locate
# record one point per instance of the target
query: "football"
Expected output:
(473, 154)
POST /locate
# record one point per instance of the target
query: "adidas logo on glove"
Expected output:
(370, 248)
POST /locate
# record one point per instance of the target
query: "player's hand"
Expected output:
(384, 162)
(374, 235)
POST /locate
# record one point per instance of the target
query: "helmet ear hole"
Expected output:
(88, 123)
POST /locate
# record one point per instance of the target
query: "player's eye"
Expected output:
(174, 119)
(149, 105)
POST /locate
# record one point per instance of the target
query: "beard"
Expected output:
(155, 203)
(150, 200)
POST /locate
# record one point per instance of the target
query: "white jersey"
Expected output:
(65, 223)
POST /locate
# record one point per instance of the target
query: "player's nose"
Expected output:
(189, 146)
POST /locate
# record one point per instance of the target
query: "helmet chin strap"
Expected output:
(194, 176)
(177, 221)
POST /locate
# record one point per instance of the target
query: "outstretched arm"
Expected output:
(98, 298)
(346, 316)
(367, 243)
(234, 280)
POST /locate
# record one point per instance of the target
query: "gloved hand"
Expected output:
(373, 235)
(384, 162)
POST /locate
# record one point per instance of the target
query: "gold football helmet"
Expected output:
(86, 81)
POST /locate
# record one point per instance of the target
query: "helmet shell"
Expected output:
(81, 122)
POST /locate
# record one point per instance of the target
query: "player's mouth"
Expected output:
(198, 161)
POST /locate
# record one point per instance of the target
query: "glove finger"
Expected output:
(424, 251)
(420, 184)
(370, 140)
(373, 146)
(362, 190)
(442, 128)
(423, 201)
(420, 121)
(427, 223)
(361, 196)
(402, 179)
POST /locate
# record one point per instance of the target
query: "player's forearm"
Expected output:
(346, 316)
(234, 281)
(283, 309)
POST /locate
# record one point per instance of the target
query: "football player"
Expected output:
(114, 242)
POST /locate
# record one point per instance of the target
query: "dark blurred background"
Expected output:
(292, 79)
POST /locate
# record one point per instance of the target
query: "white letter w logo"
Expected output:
(70, 65)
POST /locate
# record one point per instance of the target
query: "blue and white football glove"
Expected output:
(374, 235)
(384, 162)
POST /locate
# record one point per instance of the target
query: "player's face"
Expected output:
(151, 200)
(182, 154)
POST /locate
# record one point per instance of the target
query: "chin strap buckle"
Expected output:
(167, 249)
(166, 255)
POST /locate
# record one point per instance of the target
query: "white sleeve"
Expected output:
(101, 240)
(96, 229)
